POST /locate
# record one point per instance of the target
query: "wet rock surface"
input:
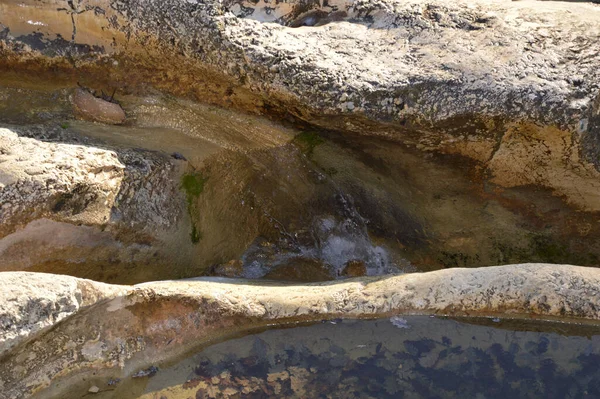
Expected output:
(268, 197)
(87, 106)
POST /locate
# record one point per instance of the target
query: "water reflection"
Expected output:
(405, 357)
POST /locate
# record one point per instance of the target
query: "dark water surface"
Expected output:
(402, 357)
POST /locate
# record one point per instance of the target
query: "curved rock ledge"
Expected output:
(88, 327)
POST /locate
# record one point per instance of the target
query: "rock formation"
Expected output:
(65, 204)
(473, 78)
(497, 99)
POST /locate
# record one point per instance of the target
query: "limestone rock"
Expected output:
(97, 109)
(72, 183)
(446, 76)
(88, 211)
(32, 303)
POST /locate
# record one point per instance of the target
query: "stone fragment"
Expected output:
(89, 107)
(354, 268)
(149, 372)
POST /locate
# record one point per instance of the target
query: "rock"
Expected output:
(179, 156)
(152, 322)
(355, 268)
(233, 268)
(300, 269)
(149, 372)
(64, 204)
(73, 183)
(89, 107)
(511, 85)
(33, 303)
(450, 77)
(94, 389)
(113, 381)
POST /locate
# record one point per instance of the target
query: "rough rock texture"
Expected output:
(30, 306)
(150, 322)
(454, 77)
(511, 85)
(88, 211)
(73, 183)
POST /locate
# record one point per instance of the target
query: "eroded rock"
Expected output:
(89, 211)
(511, 85)
(73, 183)
(30, 306)
(450, 77)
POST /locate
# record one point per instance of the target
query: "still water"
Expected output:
(401, 357)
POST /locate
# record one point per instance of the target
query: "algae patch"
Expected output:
(193, 185)
(308, 141)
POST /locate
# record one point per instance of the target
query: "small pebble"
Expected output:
(179, 156)
(399, 322)
(114, 381)
(149, 372)
(94, 389)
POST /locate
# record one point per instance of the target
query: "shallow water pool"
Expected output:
(401, 357)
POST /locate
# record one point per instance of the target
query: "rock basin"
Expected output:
(61, 331)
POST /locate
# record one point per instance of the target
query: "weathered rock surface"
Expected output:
(511, 85)
(147, 323)
(30, 306)
(468, 78)
(74, 183)
(88, 211)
